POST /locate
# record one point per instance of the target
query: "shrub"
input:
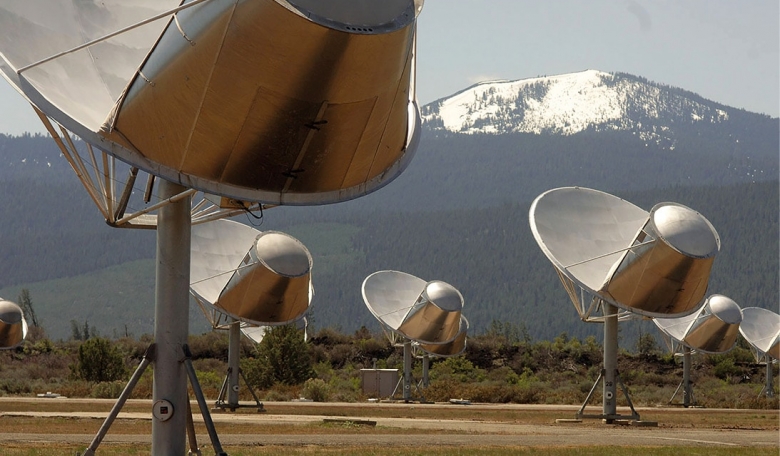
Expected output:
(212, 344)
(372, 349)
(725, 368)
(282, 357)
(43, 345)
(100, 361)
(646, 345)
(316, 390)
(329, 337)
(341, 354)
(14, 387)
(257, 372)
(480, 352)
(107, 390)
(281, 393)
(287, 354)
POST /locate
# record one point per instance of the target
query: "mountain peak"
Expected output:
(570, 103)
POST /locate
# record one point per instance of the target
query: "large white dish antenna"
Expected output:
(655, 264)
(282, 102)
(261, 278)
(712, 329)
(425, 312)
(13, 327)
(761, 328)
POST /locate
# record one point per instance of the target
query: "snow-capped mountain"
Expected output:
(571, 103)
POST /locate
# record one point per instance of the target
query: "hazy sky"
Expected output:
(724, 50)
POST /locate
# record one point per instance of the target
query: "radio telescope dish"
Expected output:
(424, 312)
(284, 102)
(761, 328)
(261, 278)
(712, 329)
(417, 315)
(13, 327)
(655, 264)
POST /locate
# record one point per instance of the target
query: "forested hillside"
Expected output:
(489, 254)
(468, 171)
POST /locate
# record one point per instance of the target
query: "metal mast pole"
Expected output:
(234, 347)
(610, 361)
(407, 371)
(687, 390)
(426, 362)
(171, 320)
(770, 388)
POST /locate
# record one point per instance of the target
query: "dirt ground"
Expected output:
(76, 421)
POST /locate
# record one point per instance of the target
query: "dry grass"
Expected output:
(137, 450)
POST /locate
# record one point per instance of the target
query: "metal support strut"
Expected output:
(407, 379)
(230, 385)
(769, 388)
(613, 416)
(609, 374)
(148, 358)
(686, 385)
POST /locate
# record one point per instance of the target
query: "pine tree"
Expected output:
(27, 307)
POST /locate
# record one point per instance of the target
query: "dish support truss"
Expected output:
(110, 183)
(588, 305)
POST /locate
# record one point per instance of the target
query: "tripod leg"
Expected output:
(148, 357)
(634, 413)
(676, 391)
(590, 394)
(204, 409)
(260, 407)
(222, 391)
(397, 385)
(194, 450)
